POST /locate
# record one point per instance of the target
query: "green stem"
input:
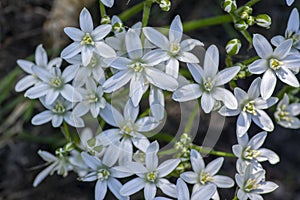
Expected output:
(102, 9)
(250, 60)
(146, 12)
(127, 14)
(207, 150)
(211, 21)
(67, 132)
(249, 3)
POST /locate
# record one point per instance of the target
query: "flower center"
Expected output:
(92, 98)
(137, 66)
(58, 108)
(174, 48)
(250, 108)
(103, 174)
(87, 40)
(151, 176)
(250, 154)
(283, 115)
(56, 82)
(127, 130)
(208, 84)
(275, 64)
(251, 185)
(205, 177)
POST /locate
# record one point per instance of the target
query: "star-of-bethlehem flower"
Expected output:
(272, 64)
(176, 49)
(60, 164)
(250, 151)
(209, 83)
(106, 174)
(54, 83)
(129, 131)
(139, 69)
(286, 113)
(41, 60)
(252, 184)
(87, 39)
(57, 112)
(250, 108)
(151, 176)
(292, 31)
(205, 193)
(92, 99)
(201, 175)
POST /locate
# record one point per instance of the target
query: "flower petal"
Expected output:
(262, 46)
(187, 93)
(268, 83)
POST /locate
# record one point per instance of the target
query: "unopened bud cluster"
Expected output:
(183, 146)
(165, 5)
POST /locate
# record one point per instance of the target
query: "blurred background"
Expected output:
(28, 23)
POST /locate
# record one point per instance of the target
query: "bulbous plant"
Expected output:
(113, 68)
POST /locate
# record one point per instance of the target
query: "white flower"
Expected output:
(54, 83)
(205, 193)
(92, 101)
(253, 184)
(272, 64)
(151, 176)
(57, 112)
(250, 108)
(105, 174)
(250, 151)
(130, 131)
(201, 175)
(209, 82)
(286, 113)
(289, 2)
(177, 50)
(95, 70)
(59, 164)
(87, 40)
(41, 60)
(292, 31)
(139, 70)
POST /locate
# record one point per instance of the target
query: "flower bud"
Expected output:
(241, 25)
(263, 20)
(105, 20)
(118, 27)
(251, 21)
(233, 46)
(229, 6)
(165, 5)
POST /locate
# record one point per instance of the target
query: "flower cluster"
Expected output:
(108, 61)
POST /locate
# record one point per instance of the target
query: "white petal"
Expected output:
(226, 97)
(37, 91)
(156, 37)
(155, 57)
(267, 187)
(133, 44)
(283, 49)
(258, 66)
(207, 102)
(223, 181)
(137, 88)
(149, 191)
(268, 84)
(104, 50)
(91, 161)
(71, 50)
(237, 149)
(71, 94)
(151, 156)
(226, 75)
(69, 73)
(190, 44)
(176, 30)
(172, 67)
(197, 161)
(167, 167)
(108, 3)
(25, 65)
(160, 79)
(254, 89)
(119, 63)
(196, 71)
(111, 155)
(117, 81)
(257, 140)
(214, 166)
(286, 76)
(126, 151)
(263, 121)
(42, 73)
(86, 21)
(228, 112)
(187, 93)
(25, 83)
(187, 57)
(132, 186)
(43, 174)
(111, 115)
(51, 96)
(269, 155)
(276, 40)
(182, 190)
(211, 61)
(243, 124)
(205, 193)
(57, 120)
(294, 109)
(189, 177)
(74, 33)
(130, 111)
(41, 58)
(146, 124)
(114, 186)
(262, 46)
(86, 54)
(167, 188)
(100, 190)
(293, 23)
(100, 32)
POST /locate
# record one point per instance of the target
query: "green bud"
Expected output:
(229, 6)
(233, 46)
(105, 20)
(69, 147)
(241, 25)
(244, 15)
(251, 20)
(91, 142)
(165, 5)
(60, 152)
(118, 27)
(247, 9)
(263, 20)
